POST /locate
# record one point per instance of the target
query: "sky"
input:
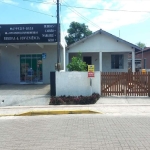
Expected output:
(127, 19)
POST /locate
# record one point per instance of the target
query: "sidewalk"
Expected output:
(111, 105)
(124, 100)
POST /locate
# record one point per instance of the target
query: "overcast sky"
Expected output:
(132, 17)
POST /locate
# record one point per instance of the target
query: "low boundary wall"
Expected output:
(76, 83)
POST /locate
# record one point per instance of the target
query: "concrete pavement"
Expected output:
(24, 95)
(75, 132)
(119, 109)
(20, 99)
(124, 100)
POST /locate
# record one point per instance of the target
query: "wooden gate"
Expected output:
(128, 84)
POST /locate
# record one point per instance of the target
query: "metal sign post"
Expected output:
(91, 85)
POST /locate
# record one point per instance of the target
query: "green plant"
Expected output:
(77, 64)
(76, 32)
(56, 101)
(75, 100)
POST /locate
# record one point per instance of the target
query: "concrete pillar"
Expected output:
(133, 61)
(100, 69)
(67, 60)
(100, 61)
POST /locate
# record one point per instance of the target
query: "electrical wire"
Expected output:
(26, 9)
(80, 15)
(108, 9)
(92, 8)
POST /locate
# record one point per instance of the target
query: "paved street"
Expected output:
(81, 132)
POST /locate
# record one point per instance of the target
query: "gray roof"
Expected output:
(109, 34)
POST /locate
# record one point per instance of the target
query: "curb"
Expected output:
(53, 112)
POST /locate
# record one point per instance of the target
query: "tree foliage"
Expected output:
(76, 32)
(141, 45)
(77, 64)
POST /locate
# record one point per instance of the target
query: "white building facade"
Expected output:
(28, 53)
(107, 52)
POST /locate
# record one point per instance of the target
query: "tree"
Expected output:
(141, 45)
(77, 64)
(76, 32)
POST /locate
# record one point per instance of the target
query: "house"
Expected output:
(28, 53)
(142, 59)
(107, 52)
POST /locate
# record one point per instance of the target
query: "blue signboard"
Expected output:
(43, 55)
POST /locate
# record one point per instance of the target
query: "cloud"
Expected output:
(45, 6)
(88, 3)
(108, 20)
(9, 2)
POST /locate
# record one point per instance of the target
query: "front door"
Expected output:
(88, 60)
(31, 68)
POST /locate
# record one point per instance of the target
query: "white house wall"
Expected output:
(106, 65)
(100, 42)
(106, 61)
(10, 62)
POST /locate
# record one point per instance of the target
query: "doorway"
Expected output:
(31, 68)
(87, 60)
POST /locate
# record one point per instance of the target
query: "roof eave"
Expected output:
(82, 40)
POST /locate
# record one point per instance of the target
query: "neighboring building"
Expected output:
(28, 53)
(107, 52)
(142, 59)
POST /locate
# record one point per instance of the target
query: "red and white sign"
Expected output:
(90, 74)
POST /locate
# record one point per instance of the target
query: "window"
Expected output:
(137, 64)
(116, 61)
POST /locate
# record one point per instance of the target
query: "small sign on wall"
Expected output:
(90, 71)
(43, 55)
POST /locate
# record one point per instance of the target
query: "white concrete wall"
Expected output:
(10, 62)
(76, 83)
(101, 42)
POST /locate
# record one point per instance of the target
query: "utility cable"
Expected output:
(80, 15)
(80, 7)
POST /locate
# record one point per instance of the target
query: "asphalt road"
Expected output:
(71, 132)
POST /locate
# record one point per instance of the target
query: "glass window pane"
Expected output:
(22, 68)
(117, 61)
(31, 68)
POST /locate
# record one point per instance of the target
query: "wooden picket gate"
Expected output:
(128, 84)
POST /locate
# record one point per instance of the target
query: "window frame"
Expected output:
(113, 62)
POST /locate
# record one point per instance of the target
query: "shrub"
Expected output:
(56, 101)
(76, 100)
(77, 64)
